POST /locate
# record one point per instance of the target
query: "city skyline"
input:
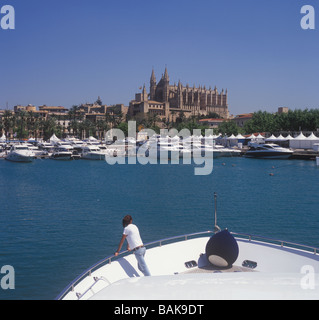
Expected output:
(71, 53)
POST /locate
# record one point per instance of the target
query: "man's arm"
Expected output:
(120, 245)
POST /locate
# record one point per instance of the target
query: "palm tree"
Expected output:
(7, 122)
(101, 126)
(22, 133)
(49, 128)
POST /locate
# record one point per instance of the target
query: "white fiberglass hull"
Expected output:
(180, 270)
(20, 157)
(61, 156)
(93, 156)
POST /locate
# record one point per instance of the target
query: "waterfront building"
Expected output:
(212, 123)
(58, 111)
(241, 119)
(166, 100)
(283, 110)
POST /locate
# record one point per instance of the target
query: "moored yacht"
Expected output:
(92, 152)
(215, 264)
(268, 151)
(61, 153)
(36, 150)
(20, 153)
(221, 151)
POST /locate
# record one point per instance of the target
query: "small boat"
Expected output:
(20, 153)
(268, 151)
(60, 153)
(215, 264)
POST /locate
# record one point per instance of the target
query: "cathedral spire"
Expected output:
(153, 78)
(166, 77)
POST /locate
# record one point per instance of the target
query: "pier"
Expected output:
(305, 154)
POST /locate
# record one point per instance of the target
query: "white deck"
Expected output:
(277, 275)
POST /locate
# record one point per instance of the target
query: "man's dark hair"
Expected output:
(126, 220)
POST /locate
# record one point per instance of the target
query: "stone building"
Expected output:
(166, 100)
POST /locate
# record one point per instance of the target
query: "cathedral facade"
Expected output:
(168, 101)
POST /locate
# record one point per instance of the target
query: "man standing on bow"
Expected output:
(135, 244)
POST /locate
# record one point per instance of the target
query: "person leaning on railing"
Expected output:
(135, 244)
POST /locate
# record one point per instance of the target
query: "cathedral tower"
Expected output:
(152, 86)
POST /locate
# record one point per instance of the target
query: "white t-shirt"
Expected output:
(133, 236)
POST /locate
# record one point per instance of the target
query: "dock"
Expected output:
(305, 154)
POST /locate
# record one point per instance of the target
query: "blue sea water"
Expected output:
(58, 218)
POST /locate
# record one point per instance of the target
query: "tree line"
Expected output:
(263, 121)
(23, 124)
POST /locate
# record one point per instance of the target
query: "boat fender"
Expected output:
(222, 249)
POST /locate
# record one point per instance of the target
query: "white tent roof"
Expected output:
(239, 136)
(232, 137)
(300, 137)
(281, 138)
(289, 137)
(260, 136)
(251, 137)
(54, 138)
(271, 138)
(313, 137)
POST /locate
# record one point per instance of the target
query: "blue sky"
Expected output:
(72, 51)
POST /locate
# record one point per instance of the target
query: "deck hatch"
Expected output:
(190, 264)
(249, 264)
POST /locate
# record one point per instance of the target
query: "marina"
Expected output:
(51, 234)
(145, 173)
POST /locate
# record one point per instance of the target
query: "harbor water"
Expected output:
(57, 218)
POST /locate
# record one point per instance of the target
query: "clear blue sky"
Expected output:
(72, 51)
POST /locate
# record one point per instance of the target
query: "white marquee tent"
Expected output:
(303, 142)
(3, 138)
(54, 139)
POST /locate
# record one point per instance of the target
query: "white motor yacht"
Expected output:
(268, 151)
(65, 144)
(162, 149)
(221, 151)
(61, 153)
(210, 265)
(20, 153)
(92, 152)
(46, 146)
(76, 143)
(202, 150)
(36, 150)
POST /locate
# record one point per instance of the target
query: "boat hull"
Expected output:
(15, 157)
(268, 155)
(64, 157)
(260, 261)
(93, 156)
